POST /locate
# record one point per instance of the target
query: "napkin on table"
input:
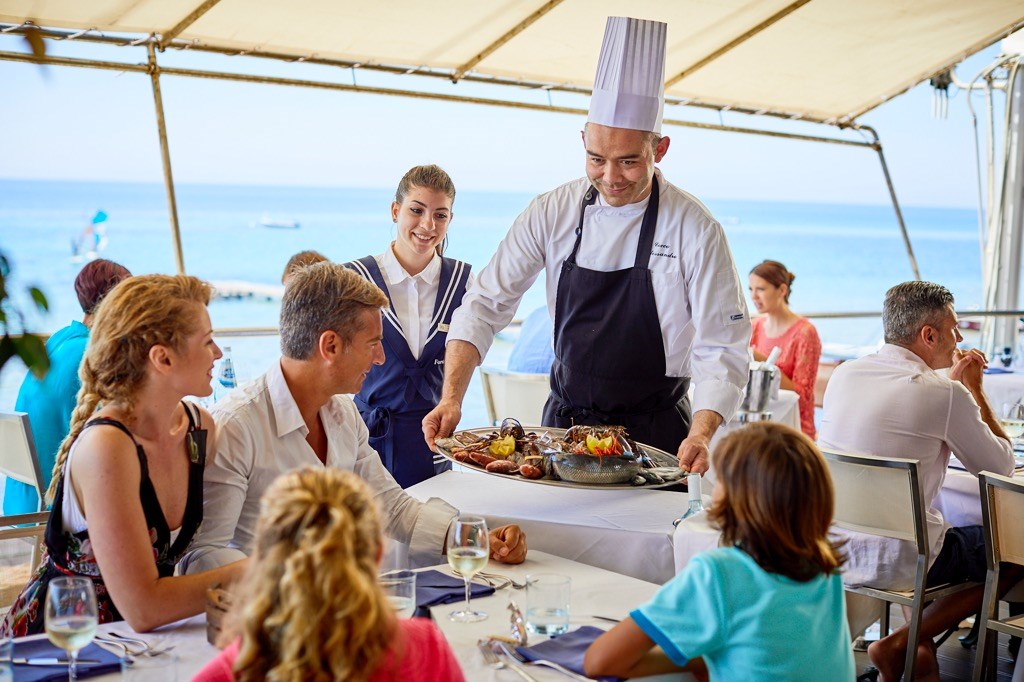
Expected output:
(567, 650)
(434, 587)
(42, 648)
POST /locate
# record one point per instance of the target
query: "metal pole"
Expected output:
(165, 155)
(895, 202)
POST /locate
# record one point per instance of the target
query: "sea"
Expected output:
(844, 256)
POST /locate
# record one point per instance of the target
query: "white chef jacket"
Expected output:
(700, 303)
(891, 404)
(261, 435)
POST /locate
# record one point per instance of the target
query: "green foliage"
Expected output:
(29, 347)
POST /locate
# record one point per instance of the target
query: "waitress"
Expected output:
(640, 279)
(424, 289)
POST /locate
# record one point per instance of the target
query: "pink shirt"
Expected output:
(801, 350)
(426, 658)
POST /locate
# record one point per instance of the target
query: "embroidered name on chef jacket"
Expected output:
(665, 253)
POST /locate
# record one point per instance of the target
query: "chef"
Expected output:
(640, 279)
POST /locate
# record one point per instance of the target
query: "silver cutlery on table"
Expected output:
(500, 662)
(515, 655)
(142, 648)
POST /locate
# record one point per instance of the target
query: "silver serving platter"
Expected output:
(658, 456)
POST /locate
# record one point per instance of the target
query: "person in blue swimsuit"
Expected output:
(424, 289)
(50, 401)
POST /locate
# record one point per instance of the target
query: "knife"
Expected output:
(50, 661)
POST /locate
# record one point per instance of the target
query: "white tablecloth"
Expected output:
(594, 592)
(625, 531)
(1003, 389)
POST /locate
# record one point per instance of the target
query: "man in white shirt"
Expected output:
(296, 416)
(894, 403)
(640, 279)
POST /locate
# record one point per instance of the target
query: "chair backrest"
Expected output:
(21, 538)
(18, 457)
(878, 496)
(1002, 508)
(515, 394)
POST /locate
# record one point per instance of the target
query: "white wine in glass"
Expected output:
(71, 616)
(468, 549)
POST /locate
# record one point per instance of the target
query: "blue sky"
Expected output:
(72, 123)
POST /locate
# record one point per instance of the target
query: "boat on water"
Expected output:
(91, 241)
(276, 223)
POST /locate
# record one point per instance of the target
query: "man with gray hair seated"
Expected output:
(894, 403)
(299, 414)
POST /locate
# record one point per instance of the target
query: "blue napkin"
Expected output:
(42, 648)
(434, 587)
(997, 370)
(566, 650)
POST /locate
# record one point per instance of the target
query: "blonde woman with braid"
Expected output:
(310, 605)
(127, 484)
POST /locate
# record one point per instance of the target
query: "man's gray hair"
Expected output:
(321, 297)
(911, 305)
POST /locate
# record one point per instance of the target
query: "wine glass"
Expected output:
(468, 548)
(71, 616)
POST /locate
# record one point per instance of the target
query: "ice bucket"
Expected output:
(759, 389)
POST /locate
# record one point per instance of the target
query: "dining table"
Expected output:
(597, 598)
(1003, 387)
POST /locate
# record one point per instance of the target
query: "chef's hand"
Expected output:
(508, 544)
(967, 368)
(441, 421)
(694, 454)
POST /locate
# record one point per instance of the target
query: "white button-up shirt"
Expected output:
(703, 315)
(261, 435)
(891, 404)
(412, 296)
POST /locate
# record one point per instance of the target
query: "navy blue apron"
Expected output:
(397, 395)
(609, 354)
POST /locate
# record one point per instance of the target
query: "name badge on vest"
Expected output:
(442, 328)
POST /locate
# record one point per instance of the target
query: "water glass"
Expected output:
(71, 616)
(160, 668)
(400, 589)
(547, 603)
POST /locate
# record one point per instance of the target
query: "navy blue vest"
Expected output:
(397, 395)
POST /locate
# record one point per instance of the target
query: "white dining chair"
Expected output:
(21, 546)
(515, 394)
(1002, 508)
(18, 456)
(882, 496)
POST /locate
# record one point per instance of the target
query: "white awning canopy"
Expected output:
(820, 60)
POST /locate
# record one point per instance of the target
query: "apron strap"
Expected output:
(646, 245)
(588, 200)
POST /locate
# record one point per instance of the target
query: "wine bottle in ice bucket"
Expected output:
(696, 501)
(226, 380)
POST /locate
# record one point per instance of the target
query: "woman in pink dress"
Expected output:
(778, 325)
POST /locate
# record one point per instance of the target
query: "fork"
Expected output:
(497, 576)
(148, 649)
(515, 655)
(492, 659)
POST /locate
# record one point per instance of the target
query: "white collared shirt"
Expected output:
(412, 296)
(703, 315)
(261, 435)
(891, 404)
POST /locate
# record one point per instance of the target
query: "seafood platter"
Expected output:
(598, 457)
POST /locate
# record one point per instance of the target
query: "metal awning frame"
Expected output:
(157, 42)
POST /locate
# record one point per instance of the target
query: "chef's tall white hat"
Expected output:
(629, 87)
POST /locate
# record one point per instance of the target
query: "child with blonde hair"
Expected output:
(766, 605)
(311, 607)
